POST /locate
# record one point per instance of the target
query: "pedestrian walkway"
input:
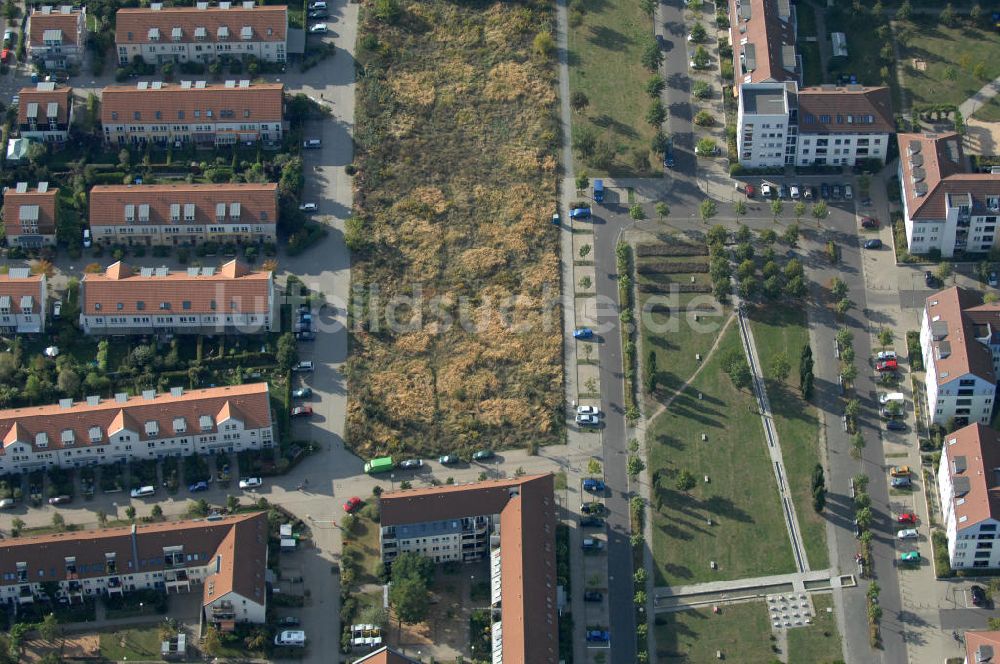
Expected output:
(678, 598)
(981, 98)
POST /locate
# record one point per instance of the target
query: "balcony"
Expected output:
(222, 611)
(177, 580)
(25, 596)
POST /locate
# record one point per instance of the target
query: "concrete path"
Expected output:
(982, 97)
(678, 598)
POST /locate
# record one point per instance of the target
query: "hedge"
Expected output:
(680, 249)
(669, 267)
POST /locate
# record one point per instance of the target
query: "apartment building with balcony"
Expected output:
(23, 302)
(193, 112)
(30, 215)
(232, 299)
(57, 36)
(45, 112)
(946, 208)
(969, 486)
(960, 338)
(201, 33)
(184, 214)
(225, 559)
(510, 522)
(148, 426)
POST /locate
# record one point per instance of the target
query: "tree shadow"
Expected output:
(608, 38)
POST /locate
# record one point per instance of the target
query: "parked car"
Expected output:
(583, 333)
(411, 464)
(305, 335)
(580, 213)
(766, 190)
(886, 365)
(591, 522)
(795, 192)
(598, 636)
(289, 621)
(318, 4)
(143, 491)
(750, 191)
(6, 503)
(885, 356)
(661, 42)
(448, 460)
(318, 13)
(302, 411)
(992, 279)
(907, 533)
(978, 594)
(890, 413)
(59, 500)
(783, 191)
(57, 309)
(857, 529)
(886, 397)
(588, 410)
(895, 425)
(593, 596)
(318, 28)
(556, 219)
(352, 504)
(309, 207)
(198, 486)
(591, 544)
(592, 508)
(929, 279)
(906, 517)
(483, 455)
(312, 143)
(302, 393)
(303, 366)
(588, 420)
(848, 192)
(251, 482)
(910, 557)
(874, 243)
(869, 222)
(594, 485)
(824, 190)
(901, 483)
(809, 193)
(668, 154)
(295, 638)
(899, 471)
(836, 191)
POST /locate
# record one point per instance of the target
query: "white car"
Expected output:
(587, 419)
(251, 482)
(291, 637)
(309, 207)
(318, 28)
(886, 397)
(588, 410)
(909, 533)
(57, 309)
(884, 355)
(766, 190)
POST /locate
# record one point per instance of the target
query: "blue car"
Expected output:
(594, 486)
(198, 486)
(900, 482)
(579, 213)
(583, 333)
(873, 244)
(598, 635)
(668, 155)
(895, 425)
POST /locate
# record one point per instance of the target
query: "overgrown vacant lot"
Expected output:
(457, 132)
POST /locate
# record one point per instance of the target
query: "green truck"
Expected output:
(379, 465)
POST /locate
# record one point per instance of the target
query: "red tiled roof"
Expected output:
(39, 22)
(61, 96)
(123, 291)
(980, 447)
(981, 643)
(46, 202)
(964, 354)
(385, 656)
(45, 555)
(767, 35)
(854, 109)
(17, 287)
(258, 203)
(248, 403)
(260, 102)
(269, 23)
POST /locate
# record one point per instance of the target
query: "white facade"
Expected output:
(958, 230)
(837, 149)
(462, 539)
(130, 233)
(763, 125)
(50, 43)
(158, 54)
(20, 313)
(233, 606)
(970, 544)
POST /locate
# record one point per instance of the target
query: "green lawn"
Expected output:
(777, 330)
(748, 536)
(134, 644)
(605, 51)
(953, 57)
(818, 643)
(364, 540)
(863, 46)
(741, 631)
(812, 66)
(989, 112)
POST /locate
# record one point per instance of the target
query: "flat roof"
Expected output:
(763, 102)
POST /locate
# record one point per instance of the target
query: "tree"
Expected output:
(717, 234)
(735, 366)
(649, 373)
(819, 498)
(232, 503)
(701, 90)
(409, 598)
(885, 337)
(780, 367)
(704, 119)
(844, 305)
(857, 445)
(864, 517)
(636, 212)
(849, 373)
(58, 522)
(701, 57)
(746, 269)
(157, 512)
(288, 352)
(838, 288)
(68, 381)
(579, 101)
(791, 235)
(947, 15)
(904, 12)
(944, 270)
(707, 209)
(49, 628)
(777, 206)
(820, 210)
(698, 32)
(652, 56)
(845, 338)
(409, 564)
(594, 467)
(212, 641)
(582, 181)
(686, 481)
(852, 409)
(662, 210)
(102, 517)
(634, 465)
(656, 114)
(655, 85)
(544, 45)
(706, 147)
(740, 208)
(16, 526)
(976, 15)
(640, 598)
(130, 513)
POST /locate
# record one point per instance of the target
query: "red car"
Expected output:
(888, 365)
(302, 411)
(907, 517)
(751, 192)
(869, 222)
(352, 504)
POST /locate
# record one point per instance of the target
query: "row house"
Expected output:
(202, 33)
(969, 485)
(45, 112)
(57, 36)
(199, 300)
(224, 558)
(23, 301)
(184, 214)
(193, 111)
(385, 655)
(960, 338)
(125, 428)
(981, 647)
(509, 522)
(946, 208)
(29, 215)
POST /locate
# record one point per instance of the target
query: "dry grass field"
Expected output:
(457, 134)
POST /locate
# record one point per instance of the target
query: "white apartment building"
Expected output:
(23, 301)
(945, 207)
(150, 426)
(224, 558)
(969, 486)
(230, 300)
(184, 214)
(201, 33)
(960, 339)
(513, 522)
(193, 111)
(764, 121)
(57, 36)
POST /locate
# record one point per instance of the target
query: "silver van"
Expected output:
(143, 491)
